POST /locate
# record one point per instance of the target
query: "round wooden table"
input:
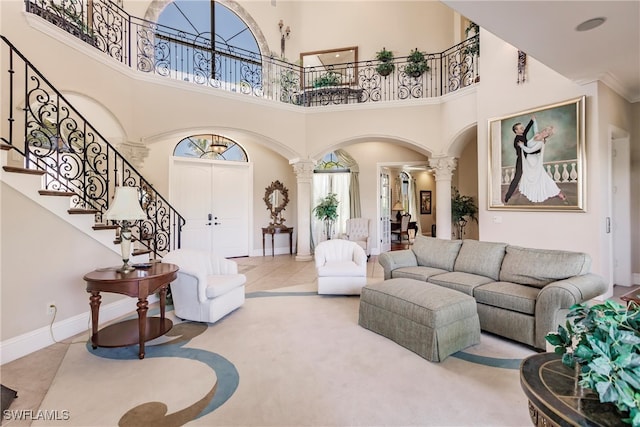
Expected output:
(555, 399)
(139, 283)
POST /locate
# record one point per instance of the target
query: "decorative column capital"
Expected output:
(134, 152)
(443, 166)
(303, 168)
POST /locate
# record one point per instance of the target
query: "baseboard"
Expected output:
(22, 345)
(636, 278)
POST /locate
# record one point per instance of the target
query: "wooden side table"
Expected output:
(277, 230)
(139, 283)
(554, 398)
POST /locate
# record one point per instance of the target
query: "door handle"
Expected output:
(217, 223)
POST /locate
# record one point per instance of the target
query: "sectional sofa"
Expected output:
(521, 293)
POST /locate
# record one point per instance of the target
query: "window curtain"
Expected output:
(354, 184)
(323, 184)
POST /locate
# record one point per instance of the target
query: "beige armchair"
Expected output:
(358, 231)
(208, 286)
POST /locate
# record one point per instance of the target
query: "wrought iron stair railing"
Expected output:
(39, 123)
(163, 51)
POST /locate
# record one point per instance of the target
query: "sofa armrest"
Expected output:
(557, 297)
(396, 259)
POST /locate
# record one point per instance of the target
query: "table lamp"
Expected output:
(125, 208)
(399, 208)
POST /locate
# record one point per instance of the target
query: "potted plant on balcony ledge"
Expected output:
(327, 79)
(416, 64)
(386, 65)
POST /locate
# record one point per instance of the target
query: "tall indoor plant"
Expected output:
(463, 209)
(327, 211)
(603, 341)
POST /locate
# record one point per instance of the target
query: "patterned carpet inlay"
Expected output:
(155, 413)
(212, 394)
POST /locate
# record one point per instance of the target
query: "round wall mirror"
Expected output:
(276, 196)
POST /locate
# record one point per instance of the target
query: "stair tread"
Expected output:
(56, 193)
(141, 251)
(23, 170)
(105, 227)
(5, 147)
(81, 211)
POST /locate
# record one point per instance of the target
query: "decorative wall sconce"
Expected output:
(284, 34)
(522, 67)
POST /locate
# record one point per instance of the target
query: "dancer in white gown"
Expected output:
(536, 184)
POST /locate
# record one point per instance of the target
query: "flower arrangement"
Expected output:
(604, 342)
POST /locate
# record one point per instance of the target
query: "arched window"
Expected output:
(186, 47)
(212, 147)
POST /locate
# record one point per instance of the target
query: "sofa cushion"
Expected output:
(483, 258)
(416, 273)
(437, 253)
(507, 295)
(539, 267)
(459, 281)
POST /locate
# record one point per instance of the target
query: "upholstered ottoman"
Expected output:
(428, 319)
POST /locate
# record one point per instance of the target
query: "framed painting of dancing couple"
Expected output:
(537, 159)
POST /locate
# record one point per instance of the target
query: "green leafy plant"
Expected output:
(473, 48)
(604, 341)
(416, 64)
(463, 209)
(386, 65)
(327, 79)
(327, 211)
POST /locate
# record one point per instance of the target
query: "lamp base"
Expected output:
(126, 268)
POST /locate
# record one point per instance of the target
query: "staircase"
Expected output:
(54, 156)
(29, 182)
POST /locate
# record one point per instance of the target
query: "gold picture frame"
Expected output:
(518, 162)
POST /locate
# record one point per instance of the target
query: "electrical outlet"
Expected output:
(51, 308)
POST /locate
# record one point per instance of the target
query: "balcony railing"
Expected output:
(52, 136)
(166, 52)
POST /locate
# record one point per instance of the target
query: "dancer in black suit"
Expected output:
(521, 137)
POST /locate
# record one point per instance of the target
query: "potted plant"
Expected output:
(603, 342)
(473, 48)
(327, 211)
(386, 65)
(463, 209)
(416, 64)
(327, 79)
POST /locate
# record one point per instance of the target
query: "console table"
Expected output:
(139, 283)
(554, 399)
(277, 230)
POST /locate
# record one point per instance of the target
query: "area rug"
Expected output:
(287, 358)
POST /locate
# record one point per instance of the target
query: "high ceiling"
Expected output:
(546, 31)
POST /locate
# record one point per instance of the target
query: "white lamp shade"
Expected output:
(397, 207)
(126, 205)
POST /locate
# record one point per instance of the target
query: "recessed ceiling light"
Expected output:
(590, 24)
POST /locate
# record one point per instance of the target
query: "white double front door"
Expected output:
(214, 198)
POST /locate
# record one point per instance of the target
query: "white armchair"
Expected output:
(358, 231)
(341, 266)
(208, 286)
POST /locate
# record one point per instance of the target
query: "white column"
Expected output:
(304, 174)
(443, 167)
